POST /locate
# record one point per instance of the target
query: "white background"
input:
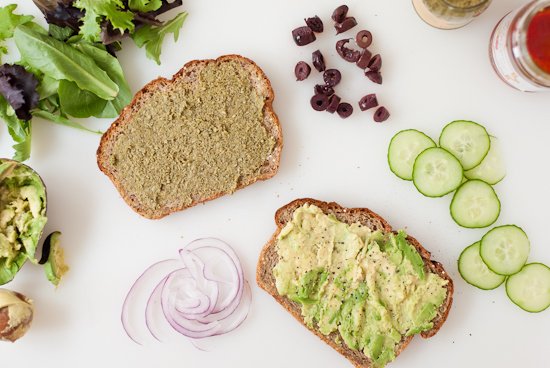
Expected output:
(430, 78)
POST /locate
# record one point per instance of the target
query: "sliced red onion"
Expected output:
(139, 292)
(201, 295)
(154, 309)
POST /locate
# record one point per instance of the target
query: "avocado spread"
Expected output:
(371, 287)
(192, 140)
(22, 216)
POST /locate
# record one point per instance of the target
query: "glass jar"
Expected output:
(449, 14)
(520, 47)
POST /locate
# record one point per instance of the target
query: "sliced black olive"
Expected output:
(340, 13)
(381, 114)
(375, 77)
(318, 61)
(303, 36)
(368, 102)
(347, 54)
(319, 102)
(346, 25)
(344, 110)
(315, 23)
(364, 60)
(363, 39)
(375, 63)
(323, 89)
(302, 71)
(332, 77)
(334, 102)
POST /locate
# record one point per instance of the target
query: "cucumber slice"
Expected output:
(491, 170)
(436, 172)
(475, 205)
(475, 272)
(468, 141)
(505, 249)
(404, 148)
(529, 289)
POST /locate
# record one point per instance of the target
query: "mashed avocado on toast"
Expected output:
(22, 216)
(369, 286)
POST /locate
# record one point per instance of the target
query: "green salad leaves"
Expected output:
(152, 37)
(95, 12)
(70, 70)
(8, 22)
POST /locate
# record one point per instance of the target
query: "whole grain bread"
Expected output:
(190, 73)
(269, 258)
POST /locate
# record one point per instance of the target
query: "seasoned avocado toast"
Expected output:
(358, 285)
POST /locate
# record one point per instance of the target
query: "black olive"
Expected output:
(332, 77)
(318, 61)
(315, 23)
(302, 71)
(344, 110)
(368, 102)
(323, 89)
(303, 36)
(333, 103)
(347, 54)
(363, 39)
(340, 13)
(381, 114)
(376, 63)
(319, 102)
(374, 76)
(364, 60)
(346, 25)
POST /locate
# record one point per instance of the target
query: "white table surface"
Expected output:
(430, 78)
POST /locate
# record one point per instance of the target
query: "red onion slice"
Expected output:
(201, 295)
(212, 249)
(139, 292)
(154, 309)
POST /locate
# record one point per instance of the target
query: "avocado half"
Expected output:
(22, 216)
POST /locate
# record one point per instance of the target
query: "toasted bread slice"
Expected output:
(269, 258)
(207, 132)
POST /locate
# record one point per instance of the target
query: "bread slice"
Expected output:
(169, 148)
(269, 258)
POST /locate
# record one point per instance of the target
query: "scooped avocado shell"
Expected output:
(22, 216)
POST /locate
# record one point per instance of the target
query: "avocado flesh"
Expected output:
(55, 266)
(366, 285)
(22, 216)
(192, 141)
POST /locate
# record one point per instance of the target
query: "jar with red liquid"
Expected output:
(520, 47)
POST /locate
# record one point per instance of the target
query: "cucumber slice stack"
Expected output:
(501, 255)
(467, 161)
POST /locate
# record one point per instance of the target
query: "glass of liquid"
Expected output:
(520, 47)
(449, 14)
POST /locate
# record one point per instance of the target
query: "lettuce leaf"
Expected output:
(144, 6)
(152, 37)
(19, 130)
(18, 86)
(97, 11)
(8, 22)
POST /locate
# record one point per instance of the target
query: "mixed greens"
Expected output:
(71, 70)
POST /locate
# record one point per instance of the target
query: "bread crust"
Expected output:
(269, 258)
(271, 122)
